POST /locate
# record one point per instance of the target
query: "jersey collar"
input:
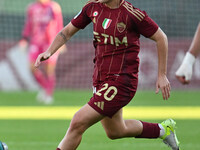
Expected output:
(122, 1)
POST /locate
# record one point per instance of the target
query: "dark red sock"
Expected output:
(58, 149)
(150, 130)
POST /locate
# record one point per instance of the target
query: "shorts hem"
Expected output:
(98, 110)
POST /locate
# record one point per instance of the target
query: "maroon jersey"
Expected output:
(116, 37)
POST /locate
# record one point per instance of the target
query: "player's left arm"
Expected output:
(162, 48)
(61, 38)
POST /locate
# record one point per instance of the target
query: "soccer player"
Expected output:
(117, 28)
(184, 72)
(43, 21)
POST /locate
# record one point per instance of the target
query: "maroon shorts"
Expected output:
(113, 94)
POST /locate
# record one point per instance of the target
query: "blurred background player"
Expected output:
(184, 72)
(43, 21)
(117, 28)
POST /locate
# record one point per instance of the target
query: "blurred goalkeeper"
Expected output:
(117, 27)
(184, 72)
(43, 21)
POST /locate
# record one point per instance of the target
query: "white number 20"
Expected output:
(108, 90)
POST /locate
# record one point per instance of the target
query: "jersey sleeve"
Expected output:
(81, 20)
(145, 25)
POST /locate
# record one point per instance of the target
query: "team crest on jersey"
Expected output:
(121, 27)
(106, 23)
(95, 13)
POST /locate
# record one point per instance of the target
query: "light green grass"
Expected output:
(80, 97)
(46, 134)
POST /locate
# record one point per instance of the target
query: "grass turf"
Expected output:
(80, 97)
(46, 134)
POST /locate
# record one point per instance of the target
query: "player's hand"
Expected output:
(42, 57)
(23, 44)
(163, 84)
(184, 72)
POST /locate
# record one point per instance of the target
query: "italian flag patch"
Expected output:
(106, 23)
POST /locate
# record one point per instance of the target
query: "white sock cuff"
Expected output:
(162, 130)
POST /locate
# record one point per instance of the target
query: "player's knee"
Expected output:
(113, 135)
(77, 126)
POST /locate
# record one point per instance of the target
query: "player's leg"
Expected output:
(51, 77)
(50, 66)
(39, 76)
(116, 127)
(109, 100)
(82, 120)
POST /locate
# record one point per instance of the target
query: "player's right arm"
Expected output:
(61, 38)
(184, 72)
